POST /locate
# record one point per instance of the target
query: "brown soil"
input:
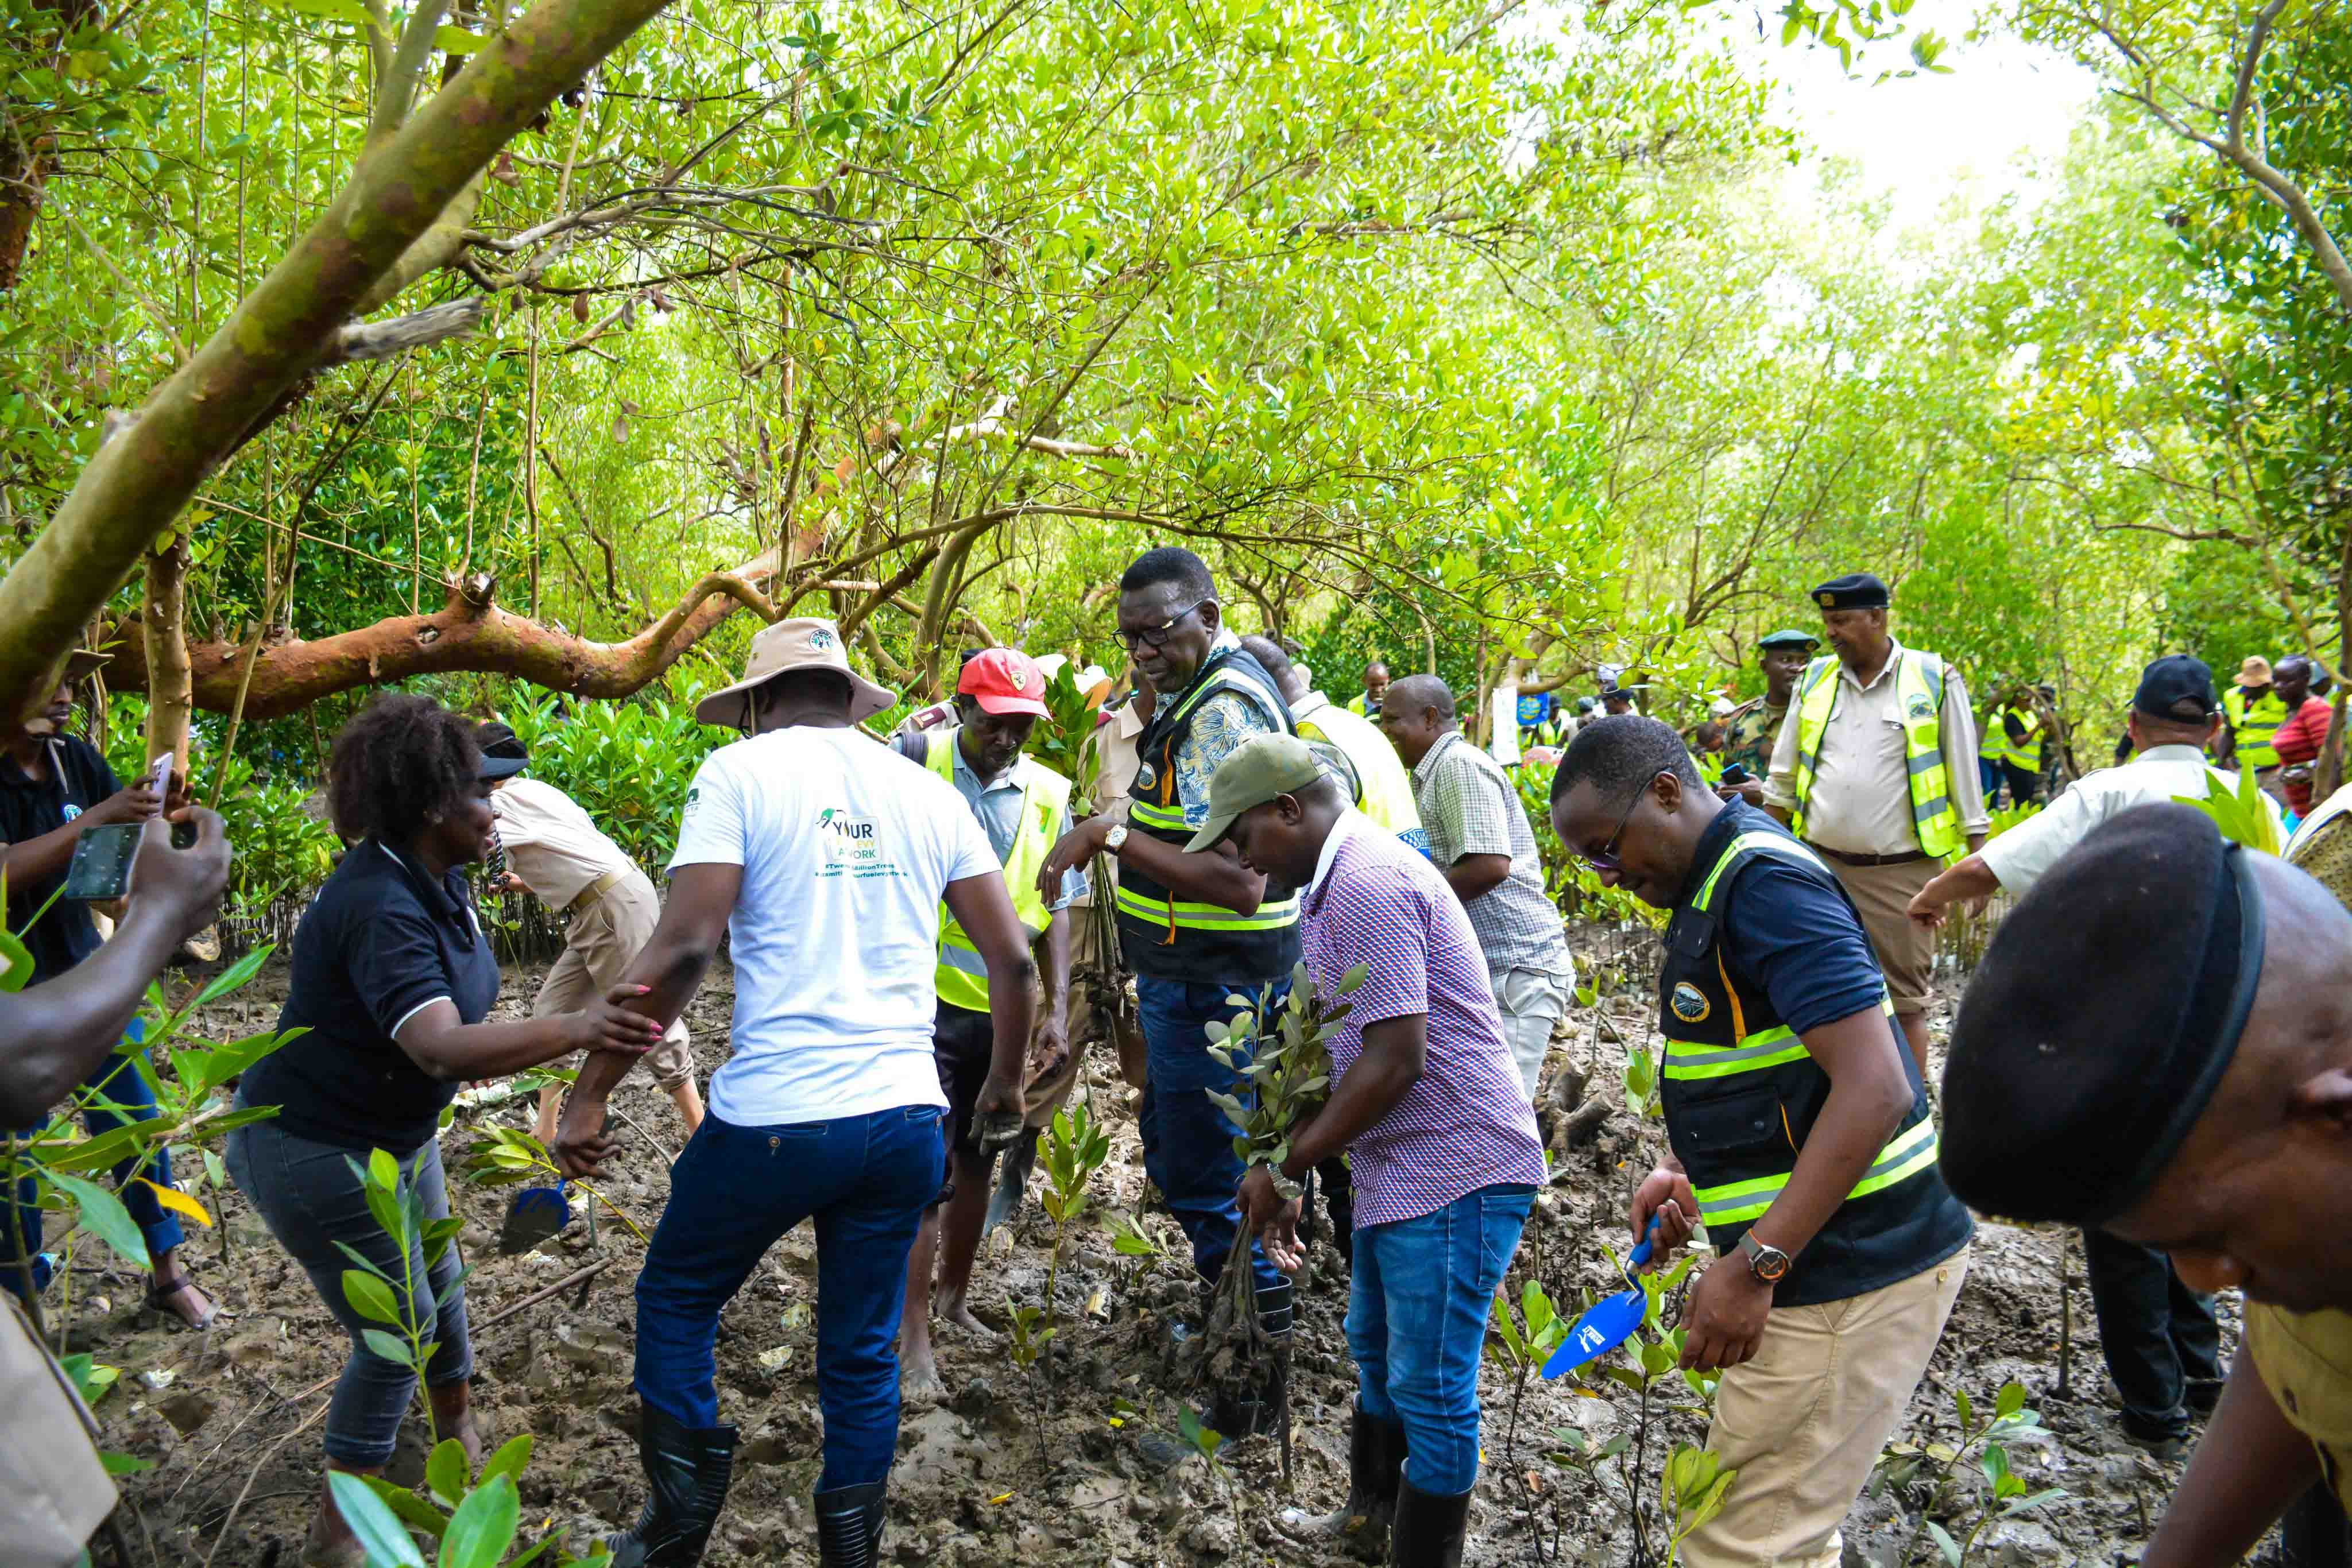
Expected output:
(1072, 1469)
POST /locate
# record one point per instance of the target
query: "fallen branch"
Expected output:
(557, 1289)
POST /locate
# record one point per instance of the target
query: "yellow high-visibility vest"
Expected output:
(2253, 723)
(1919, 690)
(1045, 797)
(1387, 786)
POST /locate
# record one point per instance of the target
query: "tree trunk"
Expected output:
(468, 632)
(134, 487)
(163, 645)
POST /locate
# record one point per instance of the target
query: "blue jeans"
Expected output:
(734, 1191)
(1188, 1142)
(117, 1080)
(316, 1207)
(1417, 1313)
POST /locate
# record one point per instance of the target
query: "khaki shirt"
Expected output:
(1114, 742)
(2305, 1360)
(57, 1491)
(1861, 783)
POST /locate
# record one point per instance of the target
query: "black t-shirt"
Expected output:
(379, 942)
(79, 778)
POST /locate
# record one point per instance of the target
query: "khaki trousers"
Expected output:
(1805, 1420)
(1906, 949)
(604, 936)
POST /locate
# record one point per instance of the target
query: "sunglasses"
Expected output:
(1157, 636)
(1605, 857)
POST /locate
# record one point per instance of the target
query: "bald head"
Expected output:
(1422, 692)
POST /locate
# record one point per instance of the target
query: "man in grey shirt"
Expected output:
(1479, 837)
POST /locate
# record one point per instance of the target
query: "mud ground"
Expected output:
(1076, 1467)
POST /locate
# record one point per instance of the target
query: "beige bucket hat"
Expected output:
(804, 643)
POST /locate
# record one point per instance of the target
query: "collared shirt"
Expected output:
(1114, 745)
(79, 778)
(1469, 807)
(2020, 856)
(1861, 783)
(551, 844)
(995, 803)
(1221, 726)
(1465, 1123)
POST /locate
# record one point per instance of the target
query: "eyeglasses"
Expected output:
(1157, 636)
(1605, 857)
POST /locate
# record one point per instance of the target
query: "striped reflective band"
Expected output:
(1766, 843)
(1769, 1047)
(1206, 916)
(965, 959)
(1911, 1152)
(1158, 817)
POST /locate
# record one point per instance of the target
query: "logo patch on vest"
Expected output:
(1145, 778)
(1920, 708)
(1690, 1003)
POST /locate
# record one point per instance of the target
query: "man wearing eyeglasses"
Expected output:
(1801, 1138)
(1194, 928)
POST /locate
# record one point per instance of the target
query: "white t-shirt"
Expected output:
(552, 845)
(845, 848)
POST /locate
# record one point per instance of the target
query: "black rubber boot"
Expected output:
(849, 1525)
(1375, 1471)
(688, 1470)
(1429, 1529)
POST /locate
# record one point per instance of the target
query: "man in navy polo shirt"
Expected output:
(53, 784)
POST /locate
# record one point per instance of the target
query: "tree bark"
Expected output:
(134, 487)
(163, 651)
(468, 632)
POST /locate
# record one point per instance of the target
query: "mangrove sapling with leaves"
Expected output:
(2005, 1494)
(1070, 1151)
(472, 1516)
(1281, 1047)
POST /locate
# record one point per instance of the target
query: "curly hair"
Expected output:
(402, 759)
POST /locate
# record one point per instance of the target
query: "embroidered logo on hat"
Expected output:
(1690, 1003)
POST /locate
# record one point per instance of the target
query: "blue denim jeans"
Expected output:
(316, 1207)
(1417, 1326)
(119, 1081)
(1188, 1142)
(735, 1190)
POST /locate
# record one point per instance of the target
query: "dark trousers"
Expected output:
(123, 1097)
(866, 1180)
(1188, 1143)
(2314, 1534)
(2158, 1335)
(316, 1207)
(2024, 784)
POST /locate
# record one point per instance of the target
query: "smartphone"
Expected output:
(100, 871)
(1736, 773)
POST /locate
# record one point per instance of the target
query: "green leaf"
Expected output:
(445, 1471)
(102, 1213)
(380, 1533)
(2010, 1401)
(411, 1510)
(457, 41)
(116, 1464)
(509, 1461)
(1945, 1544)
(390, 1346)
(370, 1298)
(233, 977)
(483, 1527)
(19, 959)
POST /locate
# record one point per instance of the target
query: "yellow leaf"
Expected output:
(1116, 1421)
(179, 1202)
(1001, 1496)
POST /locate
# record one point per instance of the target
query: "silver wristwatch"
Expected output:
(1767, 1262)
(1285, 1188)
(1117, 838)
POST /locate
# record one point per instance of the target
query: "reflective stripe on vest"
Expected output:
(2252, 726)
(1907, 1154)
(962, 974)
(1919, 693)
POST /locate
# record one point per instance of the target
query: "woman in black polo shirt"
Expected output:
(392, 977)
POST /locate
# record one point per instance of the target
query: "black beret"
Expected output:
(2099, 1023)
(1857, 591)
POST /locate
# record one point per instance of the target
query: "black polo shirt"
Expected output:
(79, 778)
(380, 941)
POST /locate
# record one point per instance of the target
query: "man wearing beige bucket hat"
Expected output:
(2253, 710)
(824, 858)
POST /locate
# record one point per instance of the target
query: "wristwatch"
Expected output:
(1767, 1263)
(1285, 1188)
(1114, 840)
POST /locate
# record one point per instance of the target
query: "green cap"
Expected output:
(1807, 640)
(1268, 765)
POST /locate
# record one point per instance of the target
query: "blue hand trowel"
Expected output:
(1606, 1326)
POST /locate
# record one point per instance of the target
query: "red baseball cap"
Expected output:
(1004, 681)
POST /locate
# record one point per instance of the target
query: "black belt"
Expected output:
(1844, 858)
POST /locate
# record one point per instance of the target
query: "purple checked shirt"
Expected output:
(1467, 1124)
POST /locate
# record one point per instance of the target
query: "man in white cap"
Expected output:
(824, 858)
(1024, 807)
